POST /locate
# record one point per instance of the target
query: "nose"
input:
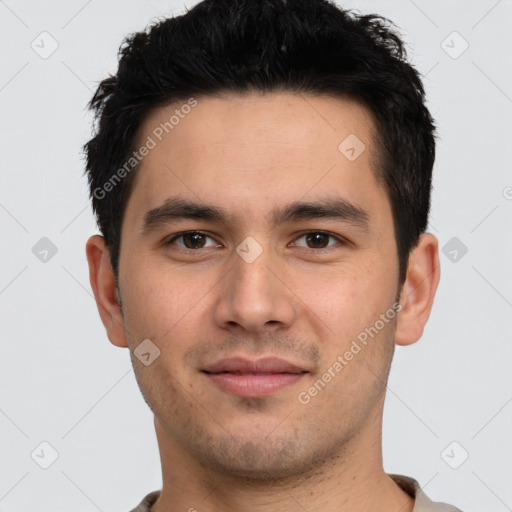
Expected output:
(254, 296)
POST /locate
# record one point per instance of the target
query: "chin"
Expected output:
(260, 461)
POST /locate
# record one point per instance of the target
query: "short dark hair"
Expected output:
(237, 46)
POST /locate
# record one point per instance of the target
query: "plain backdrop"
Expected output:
(448, 412)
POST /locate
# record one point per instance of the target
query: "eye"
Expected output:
(319, 239)
(193, 240)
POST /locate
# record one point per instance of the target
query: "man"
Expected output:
(261, 175)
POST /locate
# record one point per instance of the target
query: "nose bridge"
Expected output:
(252, 295)
(252, 274)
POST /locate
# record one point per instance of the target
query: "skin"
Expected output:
(305, 304)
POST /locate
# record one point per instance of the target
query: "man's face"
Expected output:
(252, 286)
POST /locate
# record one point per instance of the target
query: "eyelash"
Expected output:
(341, 240)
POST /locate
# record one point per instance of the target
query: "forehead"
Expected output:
(299, 122)
(274, 147)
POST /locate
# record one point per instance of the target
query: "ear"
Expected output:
(103, 285)
(418, 290)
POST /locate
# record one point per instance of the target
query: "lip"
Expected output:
(253, 378)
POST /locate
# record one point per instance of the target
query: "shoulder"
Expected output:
(422, 502)
(148, 501)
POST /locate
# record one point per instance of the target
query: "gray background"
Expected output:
(62, 381)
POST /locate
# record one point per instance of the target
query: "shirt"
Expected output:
(422, 502)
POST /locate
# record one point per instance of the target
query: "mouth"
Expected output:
(253, 378)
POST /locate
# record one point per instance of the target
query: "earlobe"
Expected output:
(418, 291)
(104, 287)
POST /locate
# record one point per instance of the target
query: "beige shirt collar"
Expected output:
(422, 502)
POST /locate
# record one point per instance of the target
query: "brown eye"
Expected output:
(319, 240)
(191, 240)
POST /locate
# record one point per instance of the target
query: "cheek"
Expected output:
(157, 298)
(346, 297)
(347, 310)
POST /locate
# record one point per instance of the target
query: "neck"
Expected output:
(352, 480)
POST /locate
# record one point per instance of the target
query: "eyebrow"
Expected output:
(332, 208)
